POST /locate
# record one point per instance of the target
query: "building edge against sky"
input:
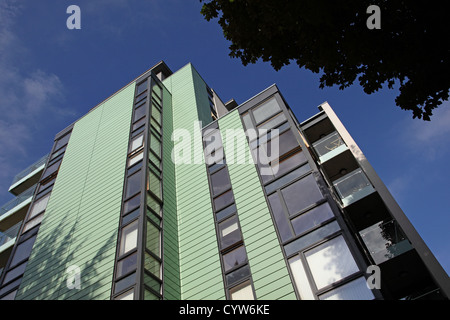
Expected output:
(108, 214)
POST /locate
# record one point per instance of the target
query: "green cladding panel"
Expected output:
(82, 216)
(271, 279)
(199, 264)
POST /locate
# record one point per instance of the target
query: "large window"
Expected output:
(235, 266)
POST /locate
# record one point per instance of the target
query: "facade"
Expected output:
(163, 191)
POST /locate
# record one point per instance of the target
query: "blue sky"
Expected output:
(50, 76)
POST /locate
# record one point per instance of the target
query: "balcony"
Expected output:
(8, 237)
(353, 187)
(329, 146)
(385, 240)
(17, 204)
(26, 178)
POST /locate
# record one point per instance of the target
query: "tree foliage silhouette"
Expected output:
(411, 49)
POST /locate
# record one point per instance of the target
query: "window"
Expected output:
(62, 141)
(220, 181)
(39, 205)
(23, 251)
(33, 222)
(128, 239)
(139, 112)
(126, 265)
(266, 110)
(131, 204)
(141, 88)
(125, 283)
(301, 194)
(238, 275)
(281, 221)
(243, 291)
(273, 122)
(312, 218)
(133, 184)
(229, 232)
(224, 213)
(234, 258)
(330, 262)
(138, 157)
(51, 169)
(153, 239)
(136, 143)
(300, 279)
(353, 290)
(223, 200)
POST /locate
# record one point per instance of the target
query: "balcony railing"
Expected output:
(385, 240)
(9, 234)
(30, 169)
(353, 186)
(328, 145)
(17, 200)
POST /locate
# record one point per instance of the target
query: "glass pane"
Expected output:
(242, 292)
(130, 216)
(385, 241)
(155, 145)
(266, 110)
(126, 265)
(153, 239)
(223, 200)
(149, 295)
(312, 218)
(51, 169)
(133, 184)
(287, 142)
(273, 122)
(138, 124)
(229, 232)
(330, 262)
(156, 114)
(311, 238)
(23, 251)
(129, 295)
(153, 204)
(288, 163)
(128, 240)
(62, 141)
(220, 181)
(137, 142)
(351, 183)
(39, 205)
(152, 265)
(328, 143)
(288, 178)
(301, 194)
(354, 290)
(32, 223)
(280, 218)
(247, 121)
(14, 273)
(125, 282)
(132, 203)
(135, 159)
(226, 212)
(154, 184)
(238, 275)
(139, 112)
(234, 258)
(300, 278)
(141, 87)
(152, 283)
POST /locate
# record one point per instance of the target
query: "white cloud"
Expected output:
(27, 97)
